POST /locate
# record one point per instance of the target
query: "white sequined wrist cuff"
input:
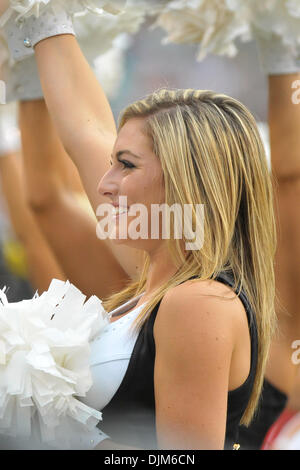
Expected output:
(23, 82)
(91, 440)
(15, 34)
(102, 437)
(47, 25)
(21, 37)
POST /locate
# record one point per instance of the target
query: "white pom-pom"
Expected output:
(211, 23)
(44, 364)
(27, 8)
(96, 33)
(217, 24)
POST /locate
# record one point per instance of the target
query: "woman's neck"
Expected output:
(161, 269)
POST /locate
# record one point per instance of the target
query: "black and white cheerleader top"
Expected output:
(122, 365)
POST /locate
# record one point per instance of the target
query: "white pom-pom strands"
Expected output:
(44, 364)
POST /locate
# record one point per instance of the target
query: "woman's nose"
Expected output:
(108, 184)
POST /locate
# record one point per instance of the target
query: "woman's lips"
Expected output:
(119, 210)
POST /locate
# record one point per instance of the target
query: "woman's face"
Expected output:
(136, 174)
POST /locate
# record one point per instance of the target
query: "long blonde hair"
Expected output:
(211, 153)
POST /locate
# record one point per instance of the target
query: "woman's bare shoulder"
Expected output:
(206, 303)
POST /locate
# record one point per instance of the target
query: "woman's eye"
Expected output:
(126, 164)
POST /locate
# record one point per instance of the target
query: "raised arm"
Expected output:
(79, 108)
(284, 122)
(41, 262)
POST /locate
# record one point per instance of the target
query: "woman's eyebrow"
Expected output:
(120, 153)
